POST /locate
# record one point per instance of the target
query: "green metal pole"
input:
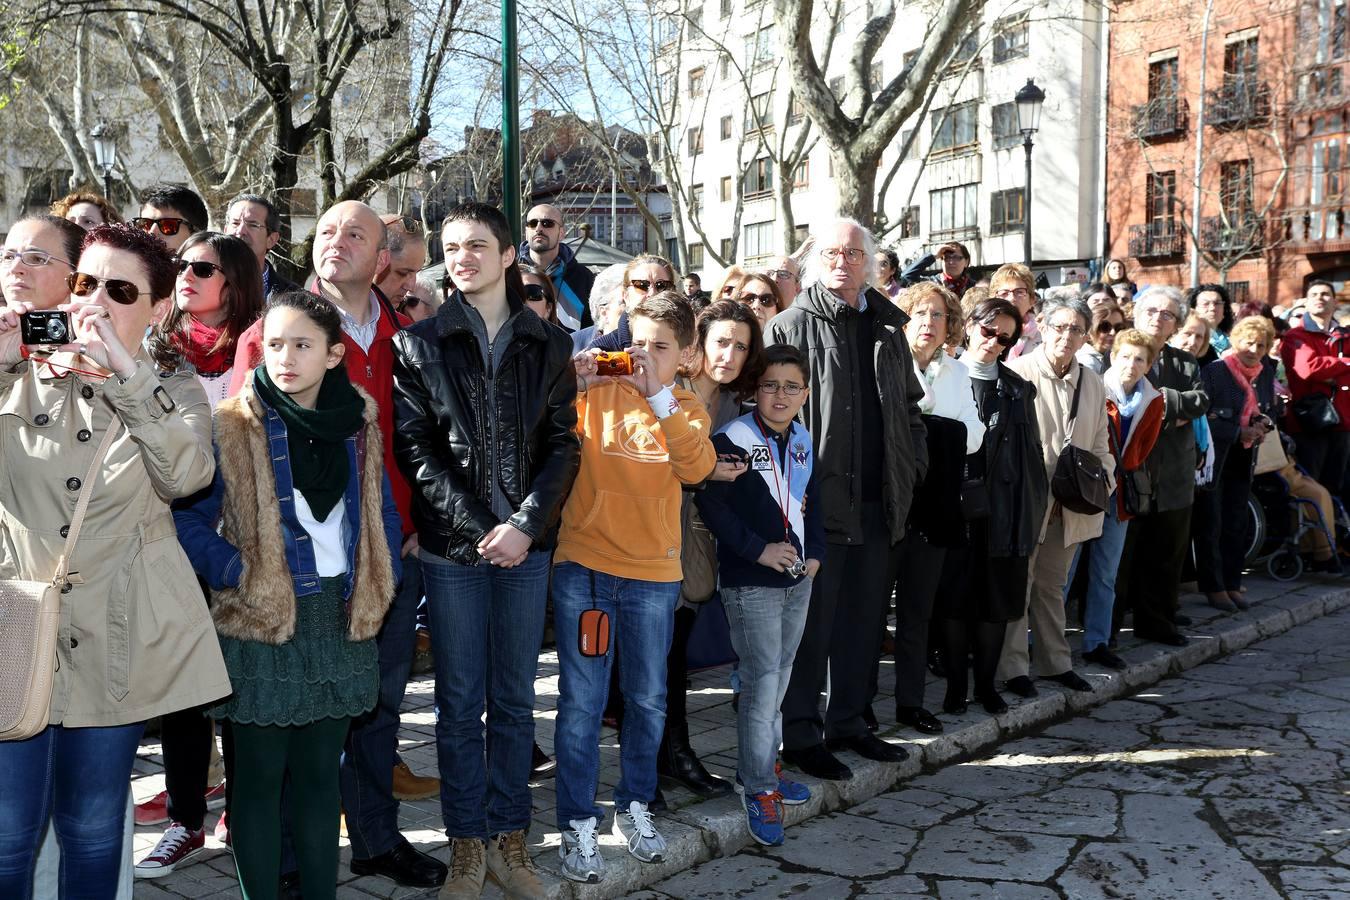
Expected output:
(510, 121)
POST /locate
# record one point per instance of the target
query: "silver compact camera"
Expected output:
(797, 569)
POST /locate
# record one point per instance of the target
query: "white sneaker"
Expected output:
(636, 827)
(580, 852)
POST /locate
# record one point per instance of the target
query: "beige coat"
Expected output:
(1054, 398)
(136, 638)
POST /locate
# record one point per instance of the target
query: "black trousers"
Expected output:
(185, 737)
(1221, 527)
(842, 638)
(677, 671)
(919, 569)
(1148, 580)
(1326, 457)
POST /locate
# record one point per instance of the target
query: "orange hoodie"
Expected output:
(623, 515)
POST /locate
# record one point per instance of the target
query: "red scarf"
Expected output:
(1246, 378)
(205, 350)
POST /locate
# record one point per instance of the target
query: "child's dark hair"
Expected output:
(786, 355)
(320, 311)
(672, 309)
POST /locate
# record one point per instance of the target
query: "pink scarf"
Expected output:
(1246, 377)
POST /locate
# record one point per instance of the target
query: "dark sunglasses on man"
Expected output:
(167, 225)
(540, 223)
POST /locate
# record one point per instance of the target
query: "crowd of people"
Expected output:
(289, 488)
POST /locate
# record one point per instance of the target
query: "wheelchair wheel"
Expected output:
(1258, 530)
(1285, 565)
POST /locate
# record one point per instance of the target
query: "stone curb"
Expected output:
(714, 828)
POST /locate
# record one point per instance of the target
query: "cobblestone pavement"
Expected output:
(1227, 781)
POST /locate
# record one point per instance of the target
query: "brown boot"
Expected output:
(468, 868)
(509, 864)
(408, 786)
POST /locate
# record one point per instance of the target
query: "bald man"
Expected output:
(350, 247)
(543, 246)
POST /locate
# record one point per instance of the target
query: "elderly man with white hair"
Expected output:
(863, 414)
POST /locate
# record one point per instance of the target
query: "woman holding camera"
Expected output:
(1241, 388)
(136, 640)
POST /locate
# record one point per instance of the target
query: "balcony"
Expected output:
(1160, 119)
(1157, 240)
(1241, 234)
(1323, 228)
(1240, 103)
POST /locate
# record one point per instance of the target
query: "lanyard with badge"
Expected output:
(783, 496)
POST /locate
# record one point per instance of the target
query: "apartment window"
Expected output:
(796, 109)
(1326, 182)
(1007, 211)
(724, 189)
(1240, 292)
(695, 256)
(696, 198)
(1162, 79)
(909, 223)
(952, 210)
(1010, 38)
(758, 242)
(967, 50)
(1330, 30)
(906, 146)
(356, 149)
(799, 234)
(695, 19)
(1160, 202)
(696, 81)
(726, 8)
(801, 175)
(874, 78)
(724, 67)
(727, 252)
(695, 138)
(1235, 189)
(1005, 126)
(759, 178)
(1240, 60)
(759, 113)
(726, 128)
(954, 127)
(759, 49)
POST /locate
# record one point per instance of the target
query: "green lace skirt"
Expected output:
(317, 674)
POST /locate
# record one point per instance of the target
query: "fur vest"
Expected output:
(262, 608)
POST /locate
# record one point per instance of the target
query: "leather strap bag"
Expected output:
(31, 613)
(1079, 482)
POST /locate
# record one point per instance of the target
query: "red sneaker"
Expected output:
(176, 847)
(215, 797)
(154, 811)
(223, 829)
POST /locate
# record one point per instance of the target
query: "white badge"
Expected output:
(760, 460)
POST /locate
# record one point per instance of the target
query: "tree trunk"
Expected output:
(856, 186)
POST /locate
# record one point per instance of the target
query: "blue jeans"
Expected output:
(766, 626)
(486, 627)
(367, 774)
(641, 619)
(1103, 559)
(78, 778)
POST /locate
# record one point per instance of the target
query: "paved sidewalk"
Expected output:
(701, 831)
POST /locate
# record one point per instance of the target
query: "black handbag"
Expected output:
(1079, 482)
(1316, 412)
(1137, 491)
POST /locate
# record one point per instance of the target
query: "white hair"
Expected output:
(1170, 294)
(607, 288)
(813, 266)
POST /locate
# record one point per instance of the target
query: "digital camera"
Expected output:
(45, 326)
(613, 363)
(797, 569)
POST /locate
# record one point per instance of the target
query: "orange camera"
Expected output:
(617, 362)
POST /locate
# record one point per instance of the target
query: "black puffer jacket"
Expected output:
(440, 392)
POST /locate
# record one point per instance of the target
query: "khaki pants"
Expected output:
(1045, 612)
(1304, 487)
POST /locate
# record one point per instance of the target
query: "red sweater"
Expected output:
(1144, 431)
(373, 371)
(1314, 364)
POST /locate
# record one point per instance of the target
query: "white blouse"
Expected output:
(947, 393)
(329, 537)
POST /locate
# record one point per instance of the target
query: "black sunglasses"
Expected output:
(540, 223)
(200, 268)
(1004, 340)
(644, 285)
(409, 301)
(535, 292)
(1105, 327)
(82, 285)
(168, 226)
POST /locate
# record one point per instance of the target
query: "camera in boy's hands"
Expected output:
(615, 362)
(45, 326)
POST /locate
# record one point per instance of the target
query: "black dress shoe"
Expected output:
(405, 865)
(541, 766)
(1071, 680)
(1172, 639)
(870, 718)
(992, 703)
(1181, 619)
(937, 663)
(677, 762)
(920, 719)
(290, 886)
(869, 746)
(1104, 657)
(818, 762)
(1021, 686)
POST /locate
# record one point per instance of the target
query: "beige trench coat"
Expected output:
(1054, 398)
(136, 638)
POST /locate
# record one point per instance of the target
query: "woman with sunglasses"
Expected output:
(137, 639)
(540, 296)
(644, 276)
(1107, 321)
(760, 294)
(990, 572)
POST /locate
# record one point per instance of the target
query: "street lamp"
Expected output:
(105, 154)
(1029, 100)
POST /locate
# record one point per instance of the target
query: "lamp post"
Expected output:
(510, 121)
(105, 155)
(1029, 100)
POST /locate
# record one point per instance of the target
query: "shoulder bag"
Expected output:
(31, 612)
(1079, 482)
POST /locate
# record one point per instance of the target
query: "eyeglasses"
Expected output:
(535, 292)
(642, 284)
(935, 315)
(1018, 293)
(1157, 312)
(852, 255)
(34, 259)
(410, 224)
(200, 268)
(790, 388)
(1004, 340)
(168, 226)
(765, 300)
(124, 292)
(540, 223)
(245, 223)
(1107, 327)
(781, 274)
(1061, 328)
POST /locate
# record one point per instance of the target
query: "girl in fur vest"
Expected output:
(302, 569)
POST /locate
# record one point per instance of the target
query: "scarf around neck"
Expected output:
(1246, 378)
(316, 438)
(204, 348)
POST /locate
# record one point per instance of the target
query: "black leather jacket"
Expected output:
(440, 440)
(1014, 465)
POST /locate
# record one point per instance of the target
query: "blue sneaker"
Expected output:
(764, 818)
(791, 792)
